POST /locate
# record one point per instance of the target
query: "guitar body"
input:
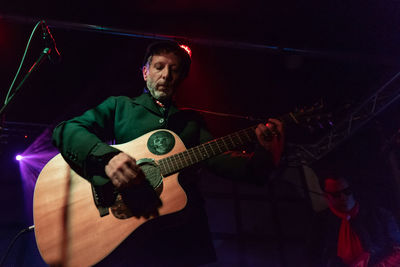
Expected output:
(68, 228)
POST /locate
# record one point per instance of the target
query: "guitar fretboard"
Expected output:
(189, 157)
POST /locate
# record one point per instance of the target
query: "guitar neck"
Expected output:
(189, 157)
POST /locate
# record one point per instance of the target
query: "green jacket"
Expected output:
(84, 141)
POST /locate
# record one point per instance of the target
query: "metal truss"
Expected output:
(19, 131)
(361, 114)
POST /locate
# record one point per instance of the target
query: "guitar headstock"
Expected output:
(306, 122)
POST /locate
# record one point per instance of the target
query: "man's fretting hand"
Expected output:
(271, 137)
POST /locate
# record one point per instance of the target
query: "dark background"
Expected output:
(250, 58)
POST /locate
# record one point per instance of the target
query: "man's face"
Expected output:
(162, 75)
(339, 194)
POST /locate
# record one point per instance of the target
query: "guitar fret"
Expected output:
(185, 158)
(179, 161)
(198, 152)
(169, 167)
(210, 149)
(227, 143)
(166, 167)
(173, 163)
(223, 141)
(247, 135)
(162, 167)
(232, 142)
(222, 145)
(217, 145)
(204, 151)
(239, 138)
(194, 155)
(235, 139)
(189, 159)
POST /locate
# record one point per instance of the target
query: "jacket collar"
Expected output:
(147, 101)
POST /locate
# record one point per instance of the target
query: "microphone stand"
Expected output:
(34, 67)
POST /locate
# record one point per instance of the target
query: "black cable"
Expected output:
(25, 230)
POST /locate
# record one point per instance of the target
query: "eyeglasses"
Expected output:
(347, 191)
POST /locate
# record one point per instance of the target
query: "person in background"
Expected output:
(349, 233)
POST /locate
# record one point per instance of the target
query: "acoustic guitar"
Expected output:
(68, 227)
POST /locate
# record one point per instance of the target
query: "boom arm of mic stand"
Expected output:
(34, 67)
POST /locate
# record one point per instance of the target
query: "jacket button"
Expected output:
(161, 120)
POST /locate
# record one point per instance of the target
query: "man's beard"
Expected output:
(160, 95)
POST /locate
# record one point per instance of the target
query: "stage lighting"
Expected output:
(19, 157)
(187, 49)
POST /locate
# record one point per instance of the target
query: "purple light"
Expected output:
(19, 157)
(35, 158)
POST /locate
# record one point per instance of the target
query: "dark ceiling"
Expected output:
(357, 26)
(258, 58)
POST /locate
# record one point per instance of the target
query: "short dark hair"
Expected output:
(167, 46)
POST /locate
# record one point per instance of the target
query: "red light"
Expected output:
(26, 136)
(187, 49)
